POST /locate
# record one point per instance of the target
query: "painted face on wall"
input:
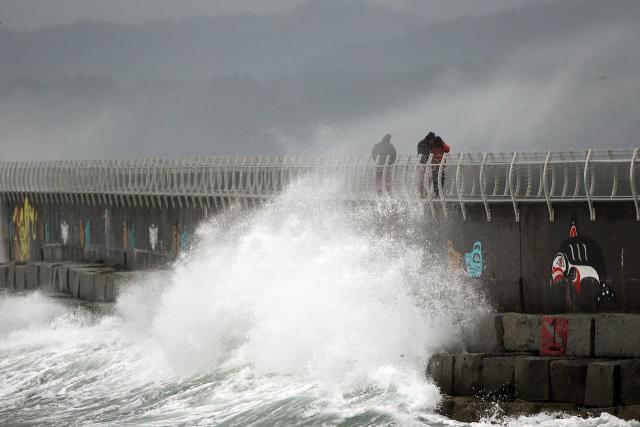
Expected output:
(473, 261)
(64, 232)
(153, 236)
(579, 261)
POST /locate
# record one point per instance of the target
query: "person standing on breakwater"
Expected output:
(384, 154)
(424, 149)
(438, 148)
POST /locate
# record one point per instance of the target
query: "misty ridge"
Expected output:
(330, 76)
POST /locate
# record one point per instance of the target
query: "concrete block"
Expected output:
(580, 336)
(440, 369)
(86, 289)
(630, 382)
(101, 282)
(532, 378)
(48, 272)
(32, 273)
(4, 275)
(11, 276)
(20, 277)
(109, 289)
(485, 336)
(603, 384)
(568, 379)
(615, 335)
(467, 374)
(628, 412)
(74, 283)
(498, 376)
(521, 332)
(62, 283)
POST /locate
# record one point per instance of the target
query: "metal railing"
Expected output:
(461, 179)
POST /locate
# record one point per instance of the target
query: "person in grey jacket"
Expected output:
(384, 149)
(384, 154)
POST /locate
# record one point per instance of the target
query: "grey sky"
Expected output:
(34, 14)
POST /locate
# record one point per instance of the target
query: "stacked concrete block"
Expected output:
(521, 332)
(467, 377)
(19, 277)
(568, 380)
(103, 281)
(616, 335)
(4, 275)
(48, 271)
(498, 376)
(32, 273)
(580, 336)
(440, 369)
(11, 276)
(630, 382)
(532, 378)
(603, 384)
(86, 288)
(62, 278)
(485, 335)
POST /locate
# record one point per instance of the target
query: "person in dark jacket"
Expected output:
(424, 149)
(438, 149)
(384, 154)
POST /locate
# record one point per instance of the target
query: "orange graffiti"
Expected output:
(455, 258)
(24, 221)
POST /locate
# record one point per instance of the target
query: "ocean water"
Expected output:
(300, 312)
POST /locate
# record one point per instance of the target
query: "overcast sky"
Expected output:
(34, 14)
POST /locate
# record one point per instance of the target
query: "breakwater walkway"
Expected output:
(550, 238)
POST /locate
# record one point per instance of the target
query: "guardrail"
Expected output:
(464, 178)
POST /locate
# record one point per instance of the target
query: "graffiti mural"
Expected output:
(87, 233)
(24, 229)
(153, 236)
(64, 232)
(554, 335)
(47, 232)
(184, 240)
(580, 261)
(455, 258)
(132, 240)
(125, 236)
(473, 261)
(175, 245)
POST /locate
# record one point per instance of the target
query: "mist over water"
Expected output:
(299, 312)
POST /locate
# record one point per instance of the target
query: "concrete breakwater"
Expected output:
(92, 282)
(582, 364)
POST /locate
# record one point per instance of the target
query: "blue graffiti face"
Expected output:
(132, 236)
(184, 240)
(87, 233)
(473, 261)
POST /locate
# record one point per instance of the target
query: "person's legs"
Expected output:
(379, 180)
(387, 178)
(434, 179)
(420, 178)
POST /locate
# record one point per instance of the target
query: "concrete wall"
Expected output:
(129, 237)
(4, 238)
(510, 261)
(513, 261)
